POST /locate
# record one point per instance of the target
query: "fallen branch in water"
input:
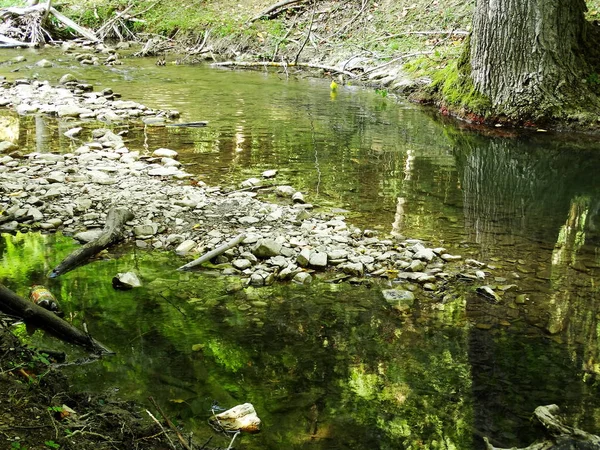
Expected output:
(33, 314)
(278, 64)
(214, 253)
(111, 234)
(562, 437)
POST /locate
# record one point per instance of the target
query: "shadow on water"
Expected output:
(330, 366)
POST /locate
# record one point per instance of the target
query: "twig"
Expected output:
(214, 253)
(233, 439)
(425, 33)
(312, 20)
(162, 428)
(54, 424)
(289, 31)
(408, 55)
(170, 424)
(273, 8)
(351, 21)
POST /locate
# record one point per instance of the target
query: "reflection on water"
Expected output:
(330, 366)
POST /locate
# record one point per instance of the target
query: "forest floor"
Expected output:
(40, 411)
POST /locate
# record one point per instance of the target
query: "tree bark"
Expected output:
(33, 314)
(529, 56)
(112, 233)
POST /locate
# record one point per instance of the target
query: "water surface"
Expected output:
(330, 366)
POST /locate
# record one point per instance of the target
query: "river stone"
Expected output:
(71, 111)
(241, 264)
(269, 173)
(448, 257)
(87, 236)
(55, 177)
(298, 197)
(67, 78)
(149, 229)
(425, 254)
(43, 63)
(318, 259)
(165, 153)
(285, 191)
(256, 280)
(354, 269)
(185, 247)
(303, 258)
(250, 182)
(73, 132)
(399, 299)
(265, 248)
(416, 266)
(126, 281)
(303, 278)
(6, 146)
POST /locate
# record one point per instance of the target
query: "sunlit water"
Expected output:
(330, 366)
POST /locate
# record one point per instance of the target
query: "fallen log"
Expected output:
(32, 314)
(277, 64)
(111, 234)
(561, 436)
(214, 253)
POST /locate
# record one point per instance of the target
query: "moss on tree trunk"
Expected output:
(527, 61)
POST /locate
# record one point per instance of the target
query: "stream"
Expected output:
(331, 366)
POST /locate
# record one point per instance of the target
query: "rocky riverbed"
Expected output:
(174, 211)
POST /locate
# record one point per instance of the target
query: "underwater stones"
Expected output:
(44, 63)
(285, 191)
(126, 281)
(250, 182)
(399, 299)
(302, 278)
(67, 78)
(239, 418)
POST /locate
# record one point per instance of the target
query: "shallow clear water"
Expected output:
(331, 366)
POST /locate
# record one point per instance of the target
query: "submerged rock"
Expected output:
(126, 281)
(239, 418)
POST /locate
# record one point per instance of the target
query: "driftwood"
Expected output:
(561, 436)
(273, 10)
(26, 24)
(112, 233)
(33, 314)
(214, 253)
(284, 65)
(68, 22)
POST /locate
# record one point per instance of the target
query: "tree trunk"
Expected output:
(529, 56)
